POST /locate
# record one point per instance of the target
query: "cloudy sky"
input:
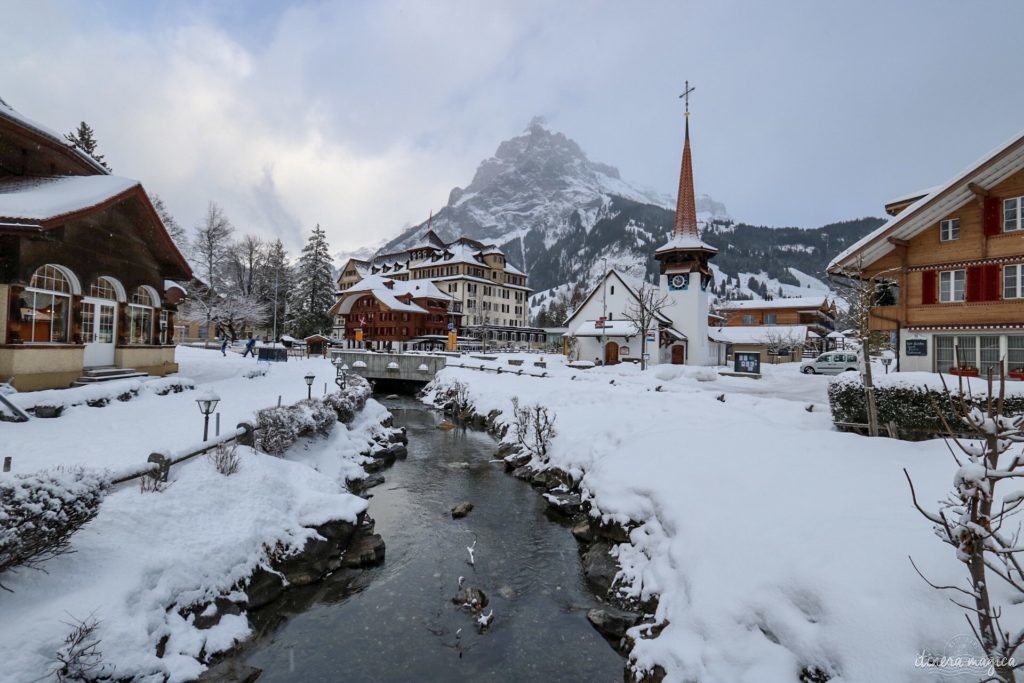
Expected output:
(363, 115)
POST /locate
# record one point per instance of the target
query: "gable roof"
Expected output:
(660, 317)
(34, 205)
(49, 137)
(985, 174)
(390, 293)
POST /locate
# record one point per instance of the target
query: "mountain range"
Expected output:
(563, 218)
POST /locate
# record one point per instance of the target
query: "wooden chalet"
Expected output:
(87, 269)
(953, 258)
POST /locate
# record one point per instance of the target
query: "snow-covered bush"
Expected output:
(350, 401)
(40, 512)
(258, 371)
(918, 410)
(276, 430)
(79, 658)
(317, 417)
(534, 427)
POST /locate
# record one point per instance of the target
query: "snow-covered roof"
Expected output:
(987, 172)
(171, 284)
(912, 195)
(758, 334)
(9, 113)
(387, 291)
(612, 328)
(40, 199)
(800, 302)
(630, 283)
(685, 242)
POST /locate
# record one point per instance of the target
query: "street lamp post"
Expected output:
(207, 404)
(309, 384)
(342, 368)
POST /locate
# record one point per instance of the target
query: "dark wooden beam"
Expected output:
(978, 190)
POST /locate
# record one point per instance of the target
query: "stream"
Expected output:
(397, 622)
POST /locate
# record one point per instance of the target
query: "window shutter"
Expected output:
(992, 216)
(993, 282)
(975, 284)
(929, 287)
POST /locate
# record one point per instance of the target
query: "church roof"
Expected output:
(631, 287)
(685, 242)
(686, 201)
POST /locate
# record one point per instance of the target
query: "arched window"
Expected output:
(140, 316)
(45, 307)
(105, 287)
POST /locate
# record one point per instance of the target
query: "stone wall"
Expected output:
(44, 366)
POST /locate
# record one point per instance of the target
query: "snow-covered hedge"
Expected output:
(909, 400)
(278, 428)
(40, 512)
(101, 393)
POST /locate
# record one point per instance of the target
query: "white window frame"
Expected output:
(949, 230)
(1013, 214)
(948, 280)
(1016, 289)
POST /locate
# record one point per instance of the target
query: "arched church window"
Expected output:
(45, 307)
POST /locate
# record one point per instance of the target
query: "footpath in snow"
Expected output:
(147, 555)
(775, 544)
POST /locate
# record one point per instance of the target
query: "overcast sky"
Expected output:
(361, 116)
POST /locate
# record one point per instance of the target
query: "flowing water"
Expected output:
(397, 622)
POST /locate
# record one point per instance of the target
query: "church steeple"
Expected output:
(686, 202)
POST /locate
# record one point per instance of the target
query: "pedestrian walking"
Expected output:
(250, 347)
(224, 347)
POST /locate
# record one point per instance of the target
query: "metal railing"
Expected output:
(159, 463)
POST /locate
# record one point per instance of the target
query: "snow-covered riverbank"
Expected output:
(146, 555)
(775, 543)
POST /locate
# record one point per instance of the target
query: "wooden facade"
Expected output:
(954, 260)
(97, 240)
(819, 316)
(382, 326)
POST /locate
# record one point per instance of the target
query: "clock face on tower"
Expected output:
(679, 281)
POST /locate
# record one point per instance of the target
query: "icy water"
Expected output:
(397, 622)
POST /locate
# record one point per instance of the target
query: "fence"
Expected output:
(159, 464)
(499, 370)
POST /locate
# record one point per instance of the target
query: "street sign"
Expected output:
(747, 362)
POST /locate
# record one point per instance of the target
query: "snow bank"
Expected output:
(146, 555)
(774, 542)
(100, 392)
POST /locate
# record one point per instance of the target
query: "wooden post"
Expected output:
(279, 400)
(164, 464)
(216, 429)
(7, 463)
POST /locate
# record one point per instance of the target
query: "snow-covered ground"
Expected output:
(774, 541)
(147, 552)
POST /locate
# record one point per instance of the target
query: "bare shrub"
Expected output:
(534, 428)
(151, 484)
(225, 458)
(80, 659)
(984, 528)
(276, 430)
(40, 512)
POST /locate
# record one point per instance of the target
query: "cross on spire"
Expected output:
(686, 96)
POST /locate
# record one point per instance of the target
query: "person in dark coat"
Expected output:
(224, 347)
(250, 347)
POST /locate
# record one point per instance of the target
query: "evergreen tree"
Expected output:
(313, 292)
(84, 139)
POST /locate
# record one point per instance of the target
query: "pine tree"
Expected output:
(313, 292)
(84, 139)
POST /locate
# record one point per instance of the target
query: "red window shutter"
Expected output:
(992, 216)
(993, 282)
(929, 287)
(975, 286)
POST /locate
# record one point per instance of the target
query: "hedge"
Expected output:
(912, 408)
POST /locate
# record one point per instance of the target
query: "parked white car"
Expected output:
(831, 363)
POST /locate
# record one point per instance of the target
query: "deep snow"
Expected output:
(147, 552)
(774, 541)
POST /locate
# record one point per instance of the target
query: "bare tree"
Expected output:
(644, 312)
(231, 313)
(980, 524)
(246, 261)
(211, 247)
(863, 291)
(173, 227)
(779, 339)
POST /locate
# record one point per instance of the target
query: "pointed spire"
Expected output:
(686, 204)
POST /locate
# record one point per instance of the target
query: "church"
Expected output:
(606, 327)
